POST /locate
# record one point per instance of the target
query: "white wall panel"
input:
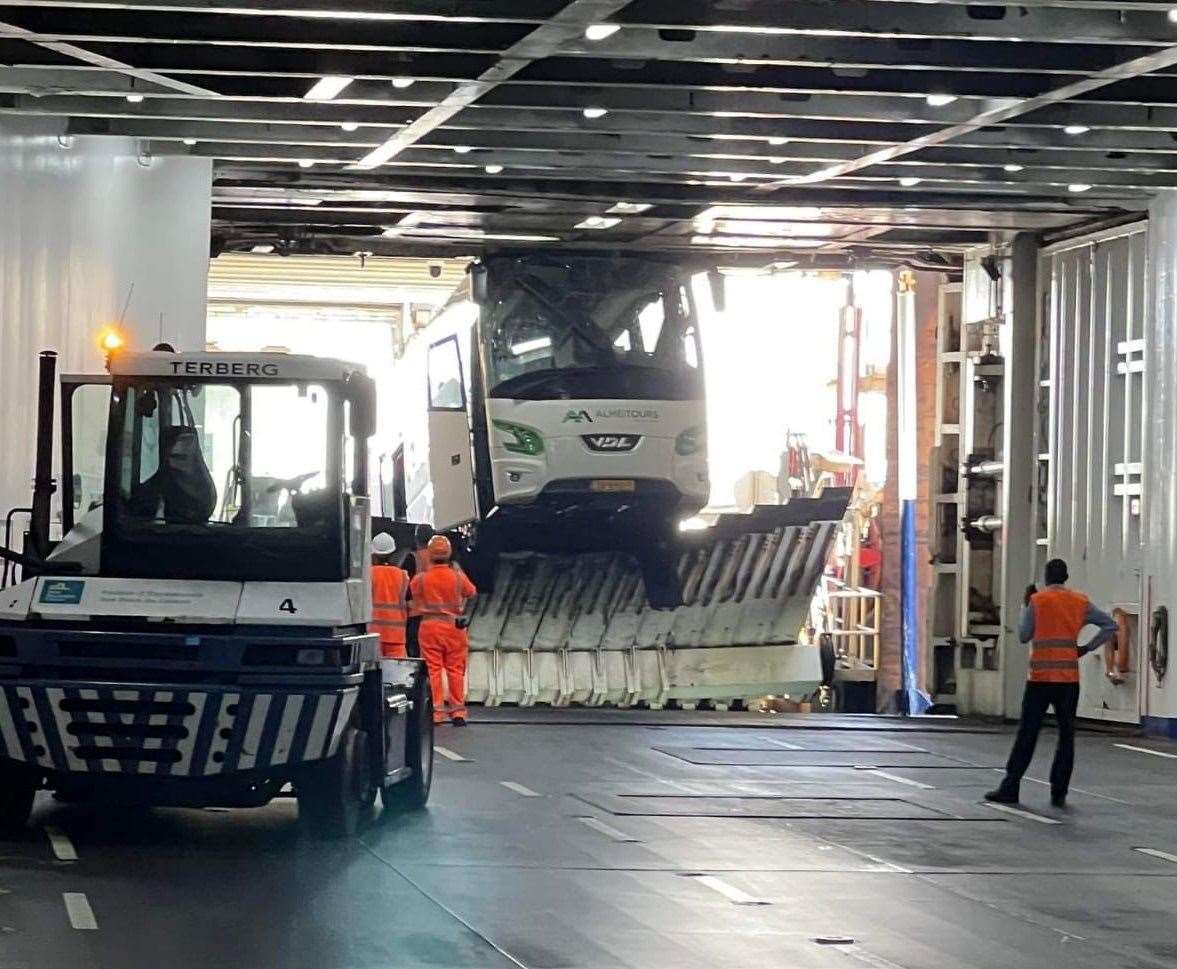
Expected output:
(1160, 466)
(1094, 316)
(78, 227)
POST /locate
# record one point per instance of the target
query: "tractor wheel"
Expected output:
(17, 790)
(335, 798)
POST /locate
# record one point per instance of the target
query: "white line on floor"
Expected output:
(77, 907)
(608, 830)
(520, 789)
(903, 780)
(1157, 853)
(784, 744)
(1010, 809)
(62, 847)
(730, 892)
(449, 754)
(1146, 750)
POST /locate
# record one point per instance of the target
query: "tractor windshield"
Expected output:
(201, 471)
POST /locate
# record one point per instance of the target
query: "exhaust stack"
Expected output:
(44, 484)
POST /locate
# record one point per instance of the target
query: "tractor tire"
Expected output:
(412, 794)
(336, 797)
(17, 791)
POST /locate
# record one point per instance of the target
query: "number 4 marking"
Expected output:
(287, 606)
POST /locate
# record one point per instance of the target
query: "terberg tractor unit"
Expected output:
(198, 636)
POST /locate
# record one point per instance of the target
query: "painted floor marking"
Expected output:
(77, 907)
(1157, 853)
(520, 789)
(1147, 750)
(450, 754)
(899, 780)
(784, 744)
(62, 847)
(730, 892)
(608, 830)
(1010, 809)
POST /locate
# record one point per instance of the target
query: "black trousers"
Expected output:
(1039, 697)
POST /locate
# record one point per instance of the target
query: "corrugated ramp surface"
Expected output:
(578, 629)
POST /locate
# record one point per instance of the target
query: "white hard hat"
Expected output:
(383, 544)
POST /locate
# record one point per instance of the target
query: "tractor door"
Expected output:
(85, 414)
(451, 464)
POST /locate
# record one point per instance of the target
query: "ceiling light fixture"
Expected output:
(400, 83)
(601, 31)
(327, 87)
(1013, 168)
(1076, 129)
(939, 100)
(909, 181)
(776, 161)
(493, 169)
(462, 149)
(1077, 187)
(737, 176)
(135, 98)
(305, 163)
(190, 142)
(350, 126)
(629, 208)
(262, 250)
(593, 113)
(596, 222)
(778, 141)
(1173, 15)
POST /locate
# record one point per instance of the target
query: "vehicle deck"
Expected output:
(603, 839)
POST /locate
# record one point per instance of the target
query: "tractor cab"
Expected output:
(216, 467)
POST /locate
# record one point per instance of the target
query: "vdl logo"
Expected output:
(578, 417)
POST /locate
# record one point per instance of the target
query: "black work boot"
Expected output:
(1002, 795)
(1059, 799)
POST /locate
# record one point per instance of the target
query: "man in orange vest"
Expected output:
(1051, 623)
(439, 597)
(390, 593)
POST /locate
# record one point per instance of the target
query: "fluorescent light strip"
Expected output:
(328, 87)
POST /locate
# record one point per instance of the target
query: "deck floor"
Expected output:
(610, 839)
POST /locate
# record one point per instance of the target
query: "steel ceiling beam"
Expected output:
(996, 115)
(544, 41)
(106, 63)
(1088, 21)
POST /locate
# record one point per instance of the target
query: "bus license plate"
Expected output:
(613, 484)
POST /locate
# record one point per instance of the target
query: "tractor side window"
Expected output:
(445, 376)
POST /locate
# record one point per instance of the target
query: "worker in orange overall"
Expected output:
(439, 597)
(390, 593)
(1051, 623)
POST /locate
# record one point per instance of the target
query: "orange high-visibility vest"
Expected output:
(439, 594)
(390, 606)
(1059, 615)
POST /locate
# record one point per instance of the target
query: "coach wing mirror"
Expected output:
(361, 393)
(718, 283)
(479, 289)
